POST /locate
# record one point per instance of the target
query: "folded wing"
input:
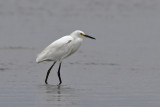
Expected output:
(56, 50)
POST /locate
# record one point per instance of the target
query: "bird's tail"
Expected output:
(39, 58)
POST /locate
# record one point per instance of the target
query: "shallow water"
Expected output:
(120, 69)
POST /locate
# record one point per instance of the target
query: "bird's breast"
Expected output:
(74, 46)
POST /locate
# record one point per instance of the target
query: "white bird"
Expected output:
(61, 49)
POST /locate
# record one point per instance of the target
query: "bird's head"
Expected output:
(79, 33)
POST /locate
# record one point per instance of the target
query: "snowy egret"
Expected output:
(60, 49)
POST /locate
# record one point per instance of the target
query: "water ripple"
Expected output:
(16, 48)
(95, 63)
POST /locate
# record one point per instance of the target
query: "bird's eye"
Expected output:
(82, 34)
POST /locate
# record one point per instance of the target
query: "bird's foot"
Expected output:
(46, 82)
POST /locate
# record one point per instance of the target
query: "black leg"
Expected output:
(49, 72)
(59, 75)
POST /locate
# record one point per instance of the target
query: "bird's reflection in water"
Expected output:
(59, 94)
(54, 92)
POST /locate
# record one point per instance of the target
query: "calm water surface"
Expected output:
(120, 69)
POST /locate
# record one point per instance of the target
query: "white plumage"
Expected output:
(61, 48)
(57, 50)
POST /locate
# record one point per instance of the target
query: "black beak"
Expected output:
(89, 37)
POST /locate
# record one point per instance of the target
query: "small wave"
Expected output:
(95, 63)
(16, 48)
(3, 69)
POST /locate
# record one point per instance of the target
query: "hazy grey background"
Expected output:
(121, 68)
